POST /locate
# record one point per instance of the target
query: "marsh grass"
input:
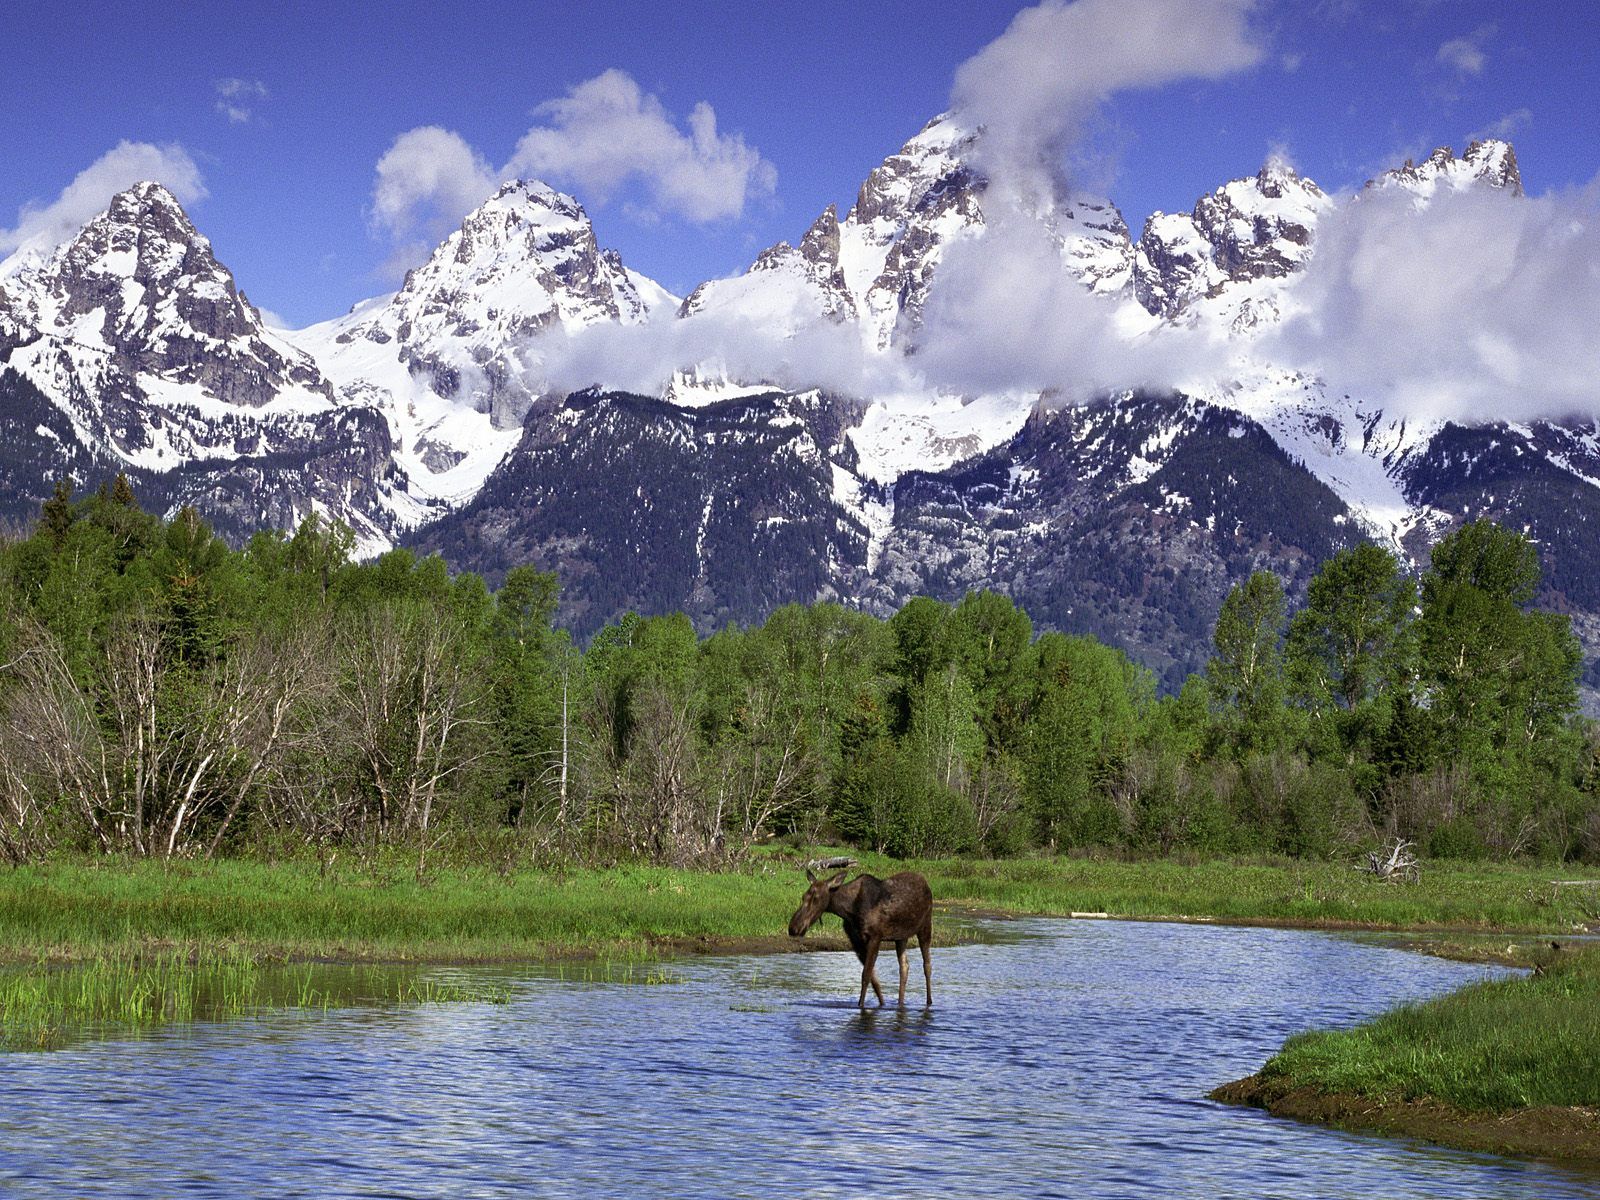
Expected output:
(1491, 1047)
(73, 910)
(45, 1007)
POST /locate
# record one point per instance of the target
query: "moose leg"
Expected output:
(900, 953)
(923, 938)
(869, 974)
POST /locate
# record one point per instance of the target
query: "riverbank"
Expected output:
(380, 911)
(1507, 1067)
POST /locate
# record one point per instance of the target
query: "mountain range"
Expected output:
(771, 437)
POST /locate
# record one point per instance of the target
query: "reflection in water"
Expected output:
(1071, 1060)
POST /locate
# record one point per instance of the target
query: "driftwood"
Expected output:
(1395, 862)
(829, 864)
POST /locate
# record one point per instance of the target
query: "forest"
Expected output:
(164, 695)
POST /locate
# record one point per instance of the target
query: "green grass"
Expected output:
(1464, 896)
(76, 909)
(1491, 1048)
(47, 1007)
(72, 910)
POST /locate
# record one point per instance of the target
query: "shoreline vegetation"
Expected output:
(381, 910)
(1505, 1067)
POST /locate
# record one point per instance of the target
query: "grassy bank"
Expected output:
(72, 910)
(1510, 1066)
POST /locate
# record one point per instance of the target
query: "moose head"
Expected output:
(815, 902)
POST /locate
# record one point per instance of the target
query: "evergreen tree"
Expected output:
(56, 515)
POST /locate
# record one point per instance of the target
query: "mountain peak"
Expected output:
(1277, 176)
(1487, 161)
(524, 261)
(534, 200)
(145, 194)
(1495, 162)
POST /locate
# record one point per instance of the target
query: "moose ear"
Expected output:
(834, 883)
(811, 875)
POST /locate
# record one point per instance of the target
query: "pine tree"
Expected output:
(56, 515)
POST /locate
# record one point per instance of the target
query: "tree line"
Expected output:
(162, 694)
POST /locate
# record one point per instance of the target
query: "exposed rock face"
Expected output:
(787, 287)
(1249, 229)
(140, 287)
(724, 511)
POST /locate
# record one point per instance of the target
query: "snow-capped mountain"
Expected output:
(138, 293)
(450, 360)
(157, 364)
(1485, 162)
(875, 268)
(423, 416)
(1245, 231)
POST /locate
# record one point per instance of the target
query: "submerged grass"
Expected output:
(47, 1007)
(1493, 1047)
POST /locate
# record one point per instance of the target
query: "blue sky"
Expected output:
(818, 93)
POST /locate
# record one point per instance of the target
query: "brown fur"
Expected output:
(874, 911)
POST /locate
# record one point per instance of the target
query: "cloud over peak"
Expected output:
(604, 136)
(44, 226)
(607, 131)
(1034, 86)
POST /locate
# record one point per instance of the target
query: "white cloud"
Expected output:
(607, 132)
(643, 358)
(45, 226)
(426, 182)
(1465, 55)
(1480, 305)
(1505, 127)
(603, 136)
(1033, 87)
(236, 98)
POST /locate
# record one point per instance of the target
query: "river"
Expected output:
(1063, 1058)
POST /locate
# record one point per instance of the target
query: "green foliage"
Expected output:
(891, 800)
(1245, 676)
(1354, 641)
(166, 695)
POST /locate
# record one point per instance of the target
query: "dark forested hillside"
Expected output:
(724, 512)
(1129, 519)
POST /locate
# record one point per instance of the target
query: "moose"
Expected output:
(873, 911)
